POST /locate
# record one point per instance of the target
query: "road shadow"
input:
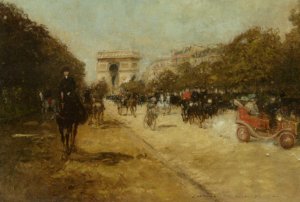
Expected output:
(107, 158)
(166, 126)
(112, 124)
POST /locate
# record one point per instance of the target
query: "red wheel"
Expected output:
(243, 134)
(287, 140)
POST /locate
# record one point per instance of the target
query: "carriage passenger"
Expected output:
(252, 108)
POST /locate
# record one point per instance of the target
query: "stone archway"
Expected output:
(117, 67)
(114, 74)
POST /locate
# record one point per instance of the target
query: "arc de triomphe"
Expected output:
(117, 67)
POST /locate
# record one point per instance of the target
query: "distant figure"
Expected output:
(252, 108)
(87, 96)
(47, 94)
(272, 108)
(168, 98)
(195, 96)
(151, 103)
(186, 95)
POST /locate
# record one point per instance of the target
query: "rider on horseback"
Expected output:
(186, 97)
(67, 87)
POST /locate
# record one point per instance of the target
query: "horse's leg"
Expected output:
(131, 110)
(69, 132)
(90, 119)
(102, 115)
(134, 110)
(74, 133)
(53, 106)
(62, 136)
(98, 117)
(44, 110)
(90, 114)
(93, 116)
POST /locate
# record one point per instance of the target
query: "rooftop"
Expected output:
(118, 54)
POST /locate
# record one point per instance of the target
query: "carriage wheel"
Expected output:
(243, 134)
(287, 140)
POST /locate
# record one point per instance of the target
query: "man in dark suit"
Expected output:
(67, 85)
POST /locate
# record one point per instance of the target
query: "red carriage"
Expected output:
(258, 126)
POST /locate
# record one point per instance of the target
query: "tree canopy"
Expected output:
(30, 58)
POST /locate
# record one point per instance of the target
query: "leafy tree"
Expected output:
(30, 59)
(137, 87)
(100, 89)
(288, 74)
(166, 81)
(248, 62)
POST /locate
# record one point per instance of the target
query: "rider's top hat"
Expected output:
(65, 69)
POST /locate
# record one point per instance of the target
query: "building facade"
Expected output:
(194, 55)
(117, 67)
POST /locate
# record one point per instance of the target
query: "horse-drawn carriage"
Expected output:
(258, 126)
(125, 103)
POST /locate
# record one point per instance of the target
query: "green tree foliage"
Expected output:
(199, 76)
(30, 59)
(288, 74)
(137, 87)
(100, 89)
(248, 62)
(166, 81)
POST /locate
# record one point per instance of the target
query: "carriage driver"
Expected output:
(67, 86)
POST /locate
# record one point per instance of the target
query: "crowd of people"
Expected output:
(195, 104)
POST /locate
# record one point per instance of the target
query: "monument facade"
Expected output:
(117, 67)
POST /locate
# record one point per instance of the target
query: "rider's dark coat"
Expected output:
(195, 96)
(67, 85)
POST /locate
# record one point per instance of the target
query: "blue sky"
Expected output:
(153, 27)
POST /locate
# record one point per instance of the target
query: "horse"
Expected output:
(49, 106)
(121, 102)
(132, 105)
(98, 111)
(128, 103)
(88, 105)
(192, 112)
(71, 114)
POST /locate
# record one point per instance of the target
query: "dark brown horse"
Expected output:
(127, 102)
(71, 114)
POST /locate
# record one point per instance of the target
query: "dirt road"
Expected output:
(123, 161)
(212, 157)
(109, 165)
